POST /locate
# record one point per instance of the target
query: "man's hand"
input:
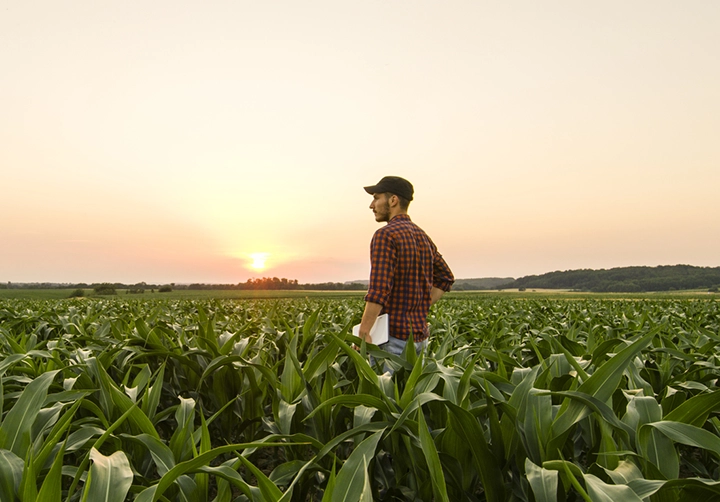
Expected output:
(372, 311)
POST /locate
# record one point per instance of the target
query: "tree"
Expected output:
(105, 289)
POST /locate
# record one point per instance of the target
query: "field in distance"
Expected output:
(185, 294)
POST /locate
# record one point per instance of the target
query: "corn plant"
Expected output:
(527, 400)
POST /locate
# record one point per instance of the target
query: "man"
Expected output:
(407, 274)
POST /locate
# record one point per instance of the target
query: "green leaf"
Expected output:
(315, 365)
(151, 398)
(51, 488)
(100, 441)
(116, 397)
(154, 492)
(77, 439)
(330, 487)
(180, 443)
(537, 423)
(600, 491)
(659, 450)
(572, 473)
(351, 401)
(9, 361)
(203, 480)
(601, 385)
(16, 428)
(351, 479)
(644, 488)
(11, 472)
(286, 412)
(627, 432)
(285, 472)
(361, 364)
(28, 486)
(109, 479)
(291, 383)
(411, 382)
(229, 474)
(641, 410)
(417, 402)
(366, 494)
(433, 459)
(269, 490)
(53, 438)
(162, 455)
(695, 410)
(625, 472)
(467, 427)
(688, 435)
(544, 482)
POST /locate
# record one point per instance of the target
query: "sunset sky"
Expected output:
(179, 141)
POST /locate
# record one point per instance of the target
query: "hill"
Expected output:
(624, 279)
(480, 284)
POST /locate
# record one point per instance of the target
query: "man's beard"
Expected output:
(382, 213)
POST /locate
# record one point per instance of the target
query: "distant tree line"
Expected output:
(265, 283)
(624, 279)
(614, 280)
(275, 283)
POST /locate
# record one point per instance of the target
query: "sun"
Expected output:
(258, 261)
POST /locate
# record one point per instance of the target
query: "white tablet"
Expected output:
(379, 332)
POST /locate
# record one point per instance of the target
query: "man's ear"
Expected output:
(393, 200)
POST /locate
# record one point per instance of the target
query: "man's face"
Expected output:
(380, 206)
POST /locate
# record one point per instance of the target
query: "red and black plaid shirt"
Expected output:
(405, 265)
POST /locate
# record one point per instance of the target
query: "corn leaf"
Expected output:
(433, 460)
(11, 473)
(695, 410)
(153, 493)
(269, 490)
(15, 430)
(467, 427)
(659, 450)
(352, 477)
(330, 487)
(162, 456)
(28, 486)
(625, 472)
(543, 482)
(51, 488)
(600, 491)
(109, 479)
(687, 434)
(184, 417)
(601, 384)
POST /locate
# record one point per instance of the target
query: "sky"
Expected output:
(213, 142)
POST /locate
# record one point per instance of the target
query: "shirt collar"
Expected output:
(400, 217)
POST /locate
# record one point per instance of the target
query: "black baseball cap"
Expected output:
(393, 184)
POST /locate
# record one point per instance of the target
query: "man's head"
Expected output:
(391, 196)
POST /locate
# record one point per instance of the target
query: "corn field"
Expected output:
(268, 400)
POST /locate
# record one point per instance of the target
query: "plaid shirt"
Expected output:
(405, 265)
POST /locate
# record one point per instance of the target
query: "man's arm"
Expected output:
(443, 278)
(435, 295)
(370, 314)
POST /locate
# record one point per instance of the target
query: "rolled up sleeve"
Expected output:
(443, 277)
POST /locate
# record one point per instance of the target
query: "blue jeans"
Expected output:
(396, 346)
